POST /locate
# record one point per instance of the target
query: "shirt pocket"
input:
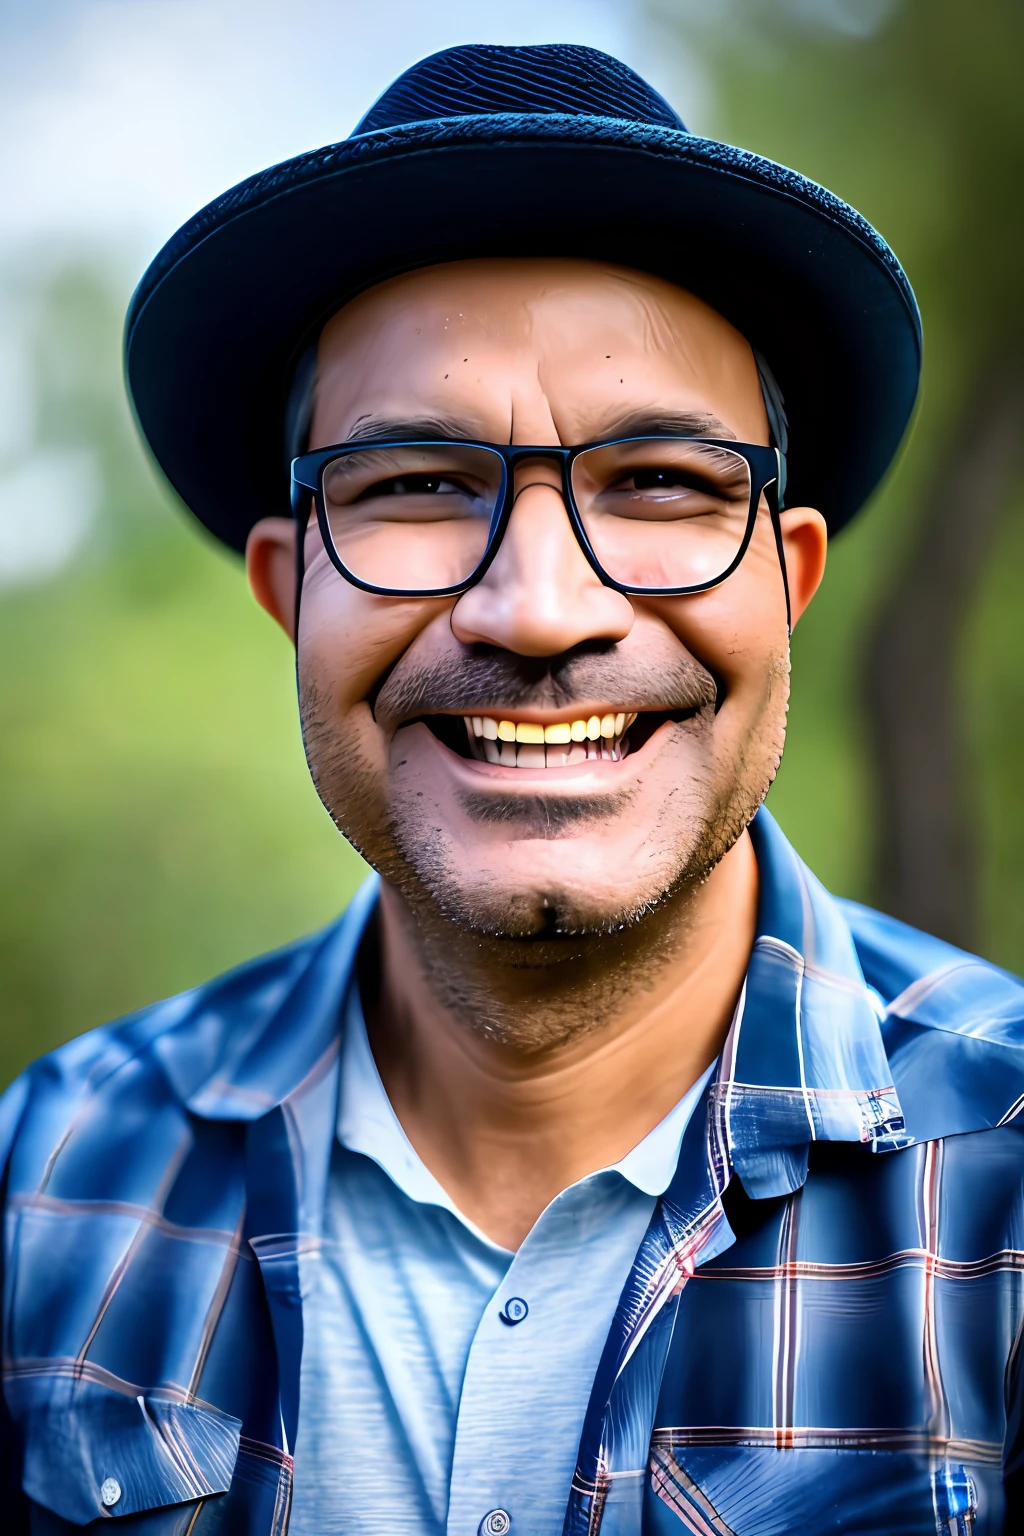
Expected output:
(91, 1452)
(715, 1490)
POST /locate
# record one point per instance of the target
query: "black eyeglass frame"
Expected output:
(307, 476)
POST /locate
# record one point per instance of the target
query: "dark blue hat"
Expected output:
(486, 151)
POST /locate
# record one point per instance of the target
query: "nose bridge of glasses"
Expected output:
(528, 467)
(533, 470)
(539, 594)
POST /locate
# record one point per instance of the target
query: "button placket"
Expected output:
(505, 1367)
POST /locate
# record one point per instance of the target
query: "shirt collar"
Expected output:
(367, 1123)
(651, 1164)
(804, 1059)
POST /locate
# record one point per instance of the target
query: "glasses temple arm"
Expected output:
(773, 505)
(297, 498)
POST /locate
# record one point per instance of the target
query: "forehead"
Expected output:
(480, 338)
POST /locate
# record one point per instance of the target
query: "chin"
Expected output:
(512, 912)
(565, 887)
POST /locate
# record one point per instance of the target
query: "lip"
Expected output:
(531, 716)
(594, 777)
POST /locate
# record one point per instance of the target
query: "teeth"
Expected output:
(526, 744)
(531, 755)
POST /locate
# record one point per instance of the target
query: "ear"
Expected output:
(805, 541)
(270, 567)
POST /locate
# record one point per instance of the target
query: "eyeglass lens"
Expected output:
(657, 512)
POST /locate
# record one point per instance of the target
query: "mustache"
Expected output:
(493, 680)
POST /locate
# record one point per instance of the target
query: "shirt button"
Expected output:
(497, 1523)
(515, 1310)
(110, 1491)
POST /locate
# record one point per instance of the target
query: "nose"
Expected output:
(540, 595)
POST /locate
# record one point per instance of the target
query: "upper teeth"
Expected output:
(527, 744)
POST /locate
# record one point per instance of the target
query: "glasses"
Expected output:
(657, 515)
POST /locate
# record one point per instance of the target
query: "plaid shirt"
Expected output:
(821, 1330)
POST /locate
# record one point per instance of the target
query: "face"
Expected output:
(406, 702)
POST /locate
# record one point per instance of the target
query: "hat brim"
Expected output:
(214, 327)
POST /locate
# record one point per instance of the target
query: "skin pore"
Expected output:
(559, 949)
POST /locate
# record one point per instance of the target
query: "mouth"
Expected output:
(607, 737)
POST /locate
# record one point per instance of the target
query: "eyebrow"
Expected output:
(648, 423)
(410, 429)
(641, 423)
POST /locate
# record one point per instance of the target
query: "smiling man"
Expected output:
(598, 1171)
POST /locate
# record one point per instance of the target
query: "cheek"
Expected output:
(348, 639)
(738, 629)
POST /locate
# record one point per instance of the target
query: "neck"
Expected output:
(505, 1122)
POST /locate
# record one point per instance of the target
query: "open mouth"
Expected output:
(561, 744)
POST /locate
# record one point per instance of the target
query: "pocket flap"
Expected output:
(149, 1450)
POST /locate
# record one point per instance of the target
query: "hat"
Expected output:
(491, 151)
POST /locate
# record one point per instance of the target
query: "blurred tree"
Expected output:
(914, 112)
(158, 822)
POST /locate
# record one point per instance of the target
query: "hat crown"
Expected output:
(483, 79)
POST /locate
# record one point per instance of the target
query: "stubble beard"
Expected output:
(574, 954)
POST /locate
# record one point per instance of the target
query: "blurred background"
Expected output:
(156, 820)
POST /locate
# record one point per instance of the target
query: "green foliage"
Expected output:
(159, 822)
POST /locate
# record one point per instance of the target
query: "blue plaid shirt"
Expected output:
(821, 1330)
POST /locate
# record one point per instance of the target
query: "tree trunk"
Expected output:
(927, 858)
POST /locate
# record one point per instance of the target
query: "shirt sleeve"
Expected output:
(1013, 1448)
(16, 1517)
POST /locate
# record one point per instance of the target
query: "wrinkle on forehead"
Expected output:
(630, 301)
(554, 342)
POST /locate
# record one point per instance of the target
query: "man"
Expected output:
(597, 1171)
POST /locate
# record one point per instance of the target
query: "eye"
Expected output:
(659, 480)
(413, 485)
(726, 481)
